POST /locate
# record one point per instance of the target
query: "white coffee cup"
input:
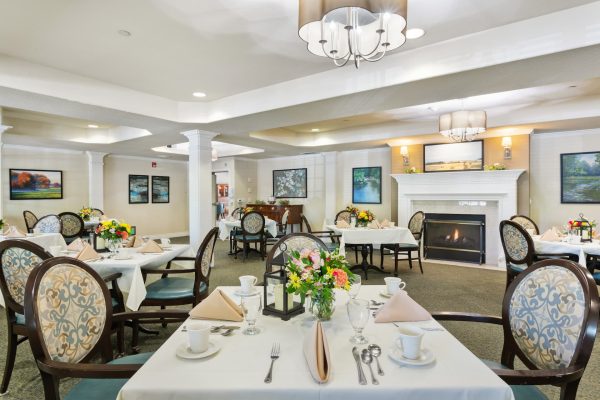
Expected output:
(56, 250)
(394, 284)
(165, 241)
(198, 334)
(410, 340)
(247, 282)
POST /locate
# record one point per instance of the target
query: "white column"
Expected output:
(3, 128)
(330, 185)
(200, 185)
(96, 179)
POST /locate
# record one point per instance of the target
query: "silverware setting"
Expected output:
(375, 351)
(426, 328)
(361, 374)
(274, 356)
(377, 303)
(223, 330)
(367, 358)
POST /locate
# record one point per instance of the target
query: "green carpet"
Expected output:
(441, 288)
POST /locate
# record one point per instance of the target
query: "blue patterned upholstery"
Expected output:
(516, 267)
(49, 224)
(521, 392)
(515, 243)
(17, 264)
(253, 223)
(172, 288)
(524, 222)
(546, 316)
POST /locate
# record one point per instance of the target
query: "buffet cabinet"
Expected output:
(275, 212)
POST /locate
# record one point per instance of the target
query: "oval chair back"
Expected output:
(526, 223)
(253, 223)
(416, 224)
(71, 225)
(281, 250)
(343, 215)
(96, 212)
(237, 213)
(49, 224)
(30, 220)
(518, 248)
(204, 258)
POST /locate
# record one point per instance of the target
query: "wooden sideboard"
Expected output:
(275, 212)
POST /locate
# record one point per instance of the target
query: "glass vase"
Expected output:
(113, 245)
(322, 304)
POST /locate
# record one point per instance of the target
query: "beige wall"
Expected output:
(150, 219)
(74, 165)
(244, 181)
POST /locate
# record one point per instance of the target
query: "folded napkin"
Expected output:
(557, 231)
(374, 224)
(135, 241)
(402, 308)
(217, 306)
(342, 224)
(76, 245)
(87, 253)
(385, 223)
(550, 236)
(316, 353)
(14, 232)
(150, 247)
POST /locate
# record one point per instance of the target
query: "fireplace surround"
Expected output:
(457, 237)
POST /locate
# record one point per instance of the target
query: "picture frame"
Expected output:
(138, 189)
(580, 178)
(453, 157)
(366, 185)
(160, 189)
(290, 183)
(35, 184)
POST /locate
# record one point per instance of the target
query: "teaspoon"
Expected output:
(375, 351)
(368, 359)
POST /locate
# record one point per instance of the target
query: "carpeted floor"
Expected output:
(441, 288)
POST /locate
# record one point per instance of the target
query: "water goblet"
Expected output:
(358, 314)
(355, 287)
(251, 307)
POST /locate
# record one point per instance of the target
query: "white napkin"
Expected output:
(150, 247)
(87, 253)
(374, 224)
(14, 232)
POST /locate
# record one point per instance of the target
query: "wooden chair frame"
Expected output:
(400, 248)
(537, 230)
(81, 230)
(29, 227)
(529, 257)
(246, 240)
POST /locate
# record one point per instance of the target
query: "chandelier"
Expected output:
(463, 126)
(358, 30)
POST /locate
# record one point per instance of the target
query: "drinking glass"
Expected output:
(358, 314)
(251, 307)
(355, 287)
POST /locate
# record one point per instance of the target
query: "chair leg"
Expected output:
(356, 254)
(420, 265)
(135, 336)
(395, 262)
(121, 339)
(235, 248)
(371, 253)
(11, 354)
(50, 386)
(381, 250)
(162, 320)
(409, 255)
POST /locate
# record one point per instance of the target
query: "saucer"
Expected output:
(169, 247)
(425, 358)
(253, 292)
(183, 351)
(123, 257)
(385, 294)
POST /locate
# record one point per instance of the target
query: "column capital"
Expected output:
(96, 157)
(3, 128)
(197, 133)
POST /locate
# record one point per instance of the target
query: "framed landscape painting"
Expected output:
(138, 189)
(580, 177)
(289, 183)
(448, 157)
(366, 185)
(35, 184)
(160, 189)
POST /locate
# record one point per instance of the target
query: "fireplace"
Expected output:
(455, 237)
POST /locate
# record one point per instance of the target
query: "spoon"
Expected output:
(375, 351)
(368, 359)
(377, 303)
(227, 332)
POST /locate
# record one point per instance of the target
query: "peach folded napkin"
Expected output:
(342, 224)
(550, 236)
(14, 232)
(150, 247)
(557, 231)
(76, 245)
(374, 225)
(217, 306)
(385, 224)
(316, 353)
(135, 241)
(402, 308)
(87, 253)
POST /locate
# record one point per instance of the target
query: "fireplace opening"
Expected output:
(455, 237)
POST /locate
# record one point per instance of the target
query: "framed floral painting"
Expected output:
(289, 183)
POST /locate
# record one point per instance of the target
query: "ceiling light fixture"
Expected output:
(463, 126)
(124, 33)
(357, 30)
(199, 94)
(414, 33)
(92, 126)
(315, 130)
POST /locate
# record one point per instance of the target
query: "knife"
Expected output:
(361, 375)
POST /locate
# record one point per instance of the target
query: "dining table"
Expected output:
(238, 369)
(227, 225)
(563, 246)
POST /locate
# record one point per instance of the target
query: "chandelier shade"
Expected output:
(357, 30)
(463, 126)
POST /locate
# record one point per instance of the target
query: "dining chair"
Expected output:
(252, 231)
(334, 240)
(549, 319)
(518, 248)
(279, 253)
(346, 216)
(237, 213)
(30, 220)
(96, 212)
(526, 223)
(72, 226)
(416, 225)
(281, 229)
(49, 224)
(68, 295)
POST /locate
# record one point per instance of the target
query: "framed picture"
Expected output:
(35, 184)
(138, 189)
(366, 185)
(160, 189)
(289, 183)
(448, 157)
(580, 177)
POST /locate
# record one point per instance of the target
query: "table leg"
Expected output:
(364, 266)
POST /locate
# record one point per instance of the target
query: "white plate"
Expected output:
(183, 351)
(425, 358)
(238, 292)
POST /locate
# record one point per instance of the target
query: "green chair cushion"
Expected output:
(521, 392)
(101, 389)
(20, 319)
(596, 276)
(407, 246)
(517, 268)
(172, 288)
(240, 237)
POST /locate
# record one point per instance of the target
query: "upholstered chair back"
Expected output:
(237, 213)
(517, 244)
(30, 220)
(72, 224)
(526, 223)
(416, 223)
(49, 224)
(253, 223)
(343, 215)
(281, 250)
(204, 257)
(97, 213)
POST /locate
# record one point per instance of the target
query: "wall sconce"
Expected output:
(507, 144)
(404, 154)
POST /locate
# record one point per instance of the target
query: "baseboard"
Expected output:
(168, 235)
(462, 264)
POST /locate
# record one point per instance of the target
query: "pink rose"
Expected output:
(304, 253)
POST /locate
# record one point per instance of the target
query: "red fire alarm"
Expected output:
(153, 164)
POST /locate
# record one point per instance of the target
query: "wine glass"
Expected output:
(355, 287)
(251, 307)
(358, 314)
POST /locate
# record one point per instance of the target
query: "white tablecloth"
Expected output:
(580, 249)
(396, 234)
(238, 369)
(225, 227)
(132, 281)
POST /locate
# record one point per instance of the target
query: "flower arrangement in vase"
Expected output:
(316, 274)
(85, 213)
(352, 209)
(494, 167)
(248, 209)
(364, 217)
(113, 232)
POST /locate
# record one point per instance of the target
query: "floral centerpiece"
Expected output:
(316, 274)
(583, 227)
(248, 209)
(412, 170)
(364, 217)
(113, 232)
(284, 202)
(351, 209)
(494, 167)
(85, 213)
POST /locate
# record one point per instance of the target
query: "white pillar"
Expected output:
(330, 185)
(200, 185)
(96, 179)
(2, 129)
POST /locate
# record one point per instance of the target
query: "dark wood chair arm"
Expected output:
(468, 317)
(96, 371)
(112, 277)
(184, 259)
(556, 255)
(168, 271)
(540, 377)
(146, 314)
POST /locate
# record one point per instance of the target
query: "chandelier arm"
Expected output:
(344, 63)
(374, 49)
(330, 57)
(373, 59)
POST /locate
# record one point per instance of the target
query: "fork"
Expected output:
(426, 328)
(274, 356)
